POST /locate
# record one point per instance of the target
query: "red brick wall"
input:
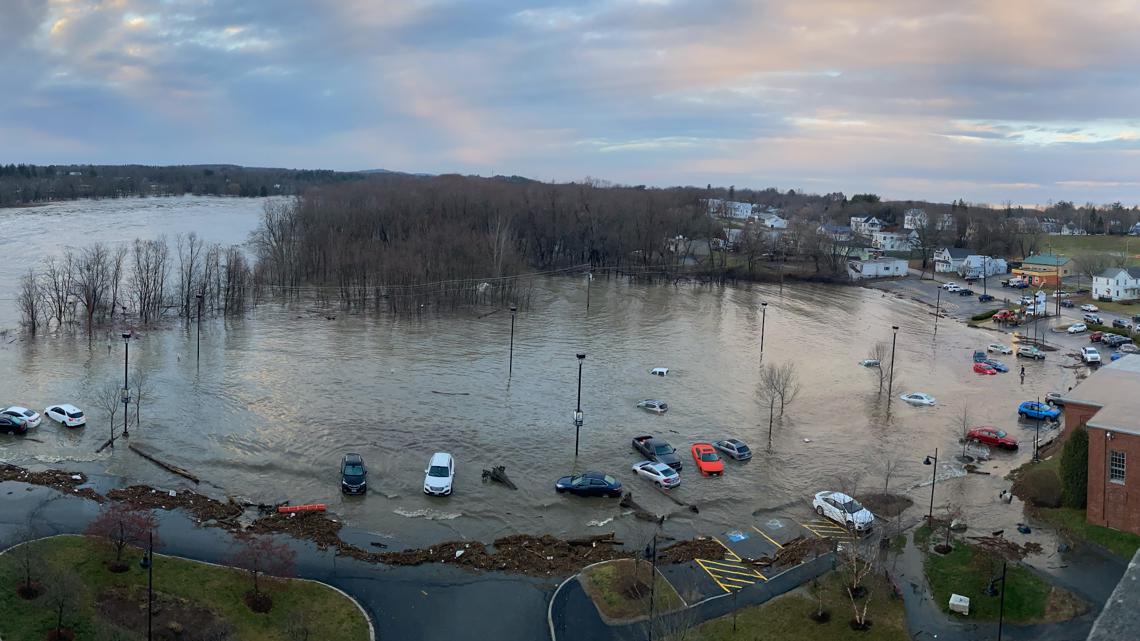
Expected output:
(1075, 414)
(1111, 504)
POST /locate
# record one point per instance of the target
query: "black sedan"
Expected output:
(13, 424)
(353, 474)
(589, 484)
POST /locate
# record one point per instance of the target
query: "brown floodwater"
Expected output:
(278, 397)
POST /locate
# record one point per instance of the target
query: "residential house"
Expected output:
(894, 241)
(975, 266)
(732, 238)
(916, 219)
(838, 233)
(1117, 283)
(729, 208)
(876, 268)
(1107, 404)
(1135, 230)
(866, 225)
(1050, 226)
(948, 259)
(1045, 269)
(1070, 229)
(770, 220)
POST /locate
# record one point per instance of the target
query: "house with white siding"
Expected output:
(894, 241)
(876, 268)
(1117, 284)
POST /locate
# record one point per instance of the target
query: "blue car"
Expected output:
(1116, 355)
(1038, 411)
(998, 365)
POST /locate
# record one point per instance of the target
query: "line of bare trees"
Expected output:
(98, 284)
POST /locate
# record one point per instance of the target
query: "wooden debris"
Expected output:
(174, 469)
(499, 474)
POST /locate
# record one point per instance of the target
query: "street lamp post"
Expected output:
(891, 385)
(578, 411)
(199, 358)
(763, 323)
(589, 282)
(933, 480)
(511, 362)
(1001, 603)
(149, 583)
(937, 309)
(1037, 435)
(126, 386)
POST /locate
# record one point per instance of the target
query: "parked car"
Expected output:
(353, 474)
(985, 298)
(1092, 318)
(843, 509)
(1129, 348)
(1068, 303)
(998, 365)
(66, 414)
(1115, 356)
(1115, 340)
(662, 475)
(918, 398)
(1026, 300)
(653, 405)
(1077, 328)
(982, 368)
(657, 450)
(1055, 398)
(13, 424)
(1122, 324)
(992, 436)
(707, 460)
(998, 348)
(1060, 293)
(589, 484)
(32, 418)
(1089, 307)
(439, 476)
(965, 292)
(1096, 337)
(1028, 351)
(659, 371)
(951, 287)
(1090, 355)
(734, 448)
(979, 356)
(1035, 410)
(870, 362)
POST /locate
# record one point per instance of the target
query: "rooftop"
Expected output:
(1051, 260)
(958, 252)
(1113, 389)
(1120, 617)
(1112, 272)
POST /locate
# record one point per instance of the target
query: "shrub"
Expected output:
(1075, 469)
(985, 315)
(1039, 487)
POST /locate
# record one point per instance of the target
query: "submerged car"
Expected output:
(653, 405)
(657, 450)
(998, 348)
(843, 509)
(13, 424)
(659, 371)
(439, 475)
(662, 475)
(734, 449)
(918, 398)
(1077, 328)
(982, 368)
(1028, 351)
(32, 418)
(870, 362)
(998, 365)
(589, 484)
(353, 474)
(1038, 411)
(66, 414)
(979, 356)
(989, 435)
(707, 460)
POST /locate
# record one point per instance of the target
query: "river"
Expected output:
(279, 396)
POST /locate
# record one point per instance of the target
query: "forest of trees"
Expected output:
(31, 184)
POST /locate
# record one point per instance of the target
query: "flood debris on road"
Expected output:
(61, 480)
(173, 469)
(203, 508)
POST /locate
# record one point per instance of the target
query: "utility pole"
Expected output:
(1001, 603)
(199, 359)
(126, 386)
(578, 412)
(763, 323)
(511, 362)
(891, 384)
(937, 309)
(149, 583)
(652, 584)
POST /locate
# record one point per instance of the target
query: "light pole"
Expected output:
(511, 362)
(933, 480)
(891, 385)
(1037, 435)
(1001, 603)
(149, 583)
(937, 309)
(763, 322)
(589, 282)
(199, 358)
(578, 411)
(126, 386)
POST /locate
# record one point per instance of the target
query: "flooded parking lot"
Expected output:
(278, 397)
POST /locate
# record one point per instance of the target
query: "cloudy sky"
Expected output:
(988, 100)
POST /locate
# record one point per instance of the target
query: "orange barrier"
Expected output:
(289, 509)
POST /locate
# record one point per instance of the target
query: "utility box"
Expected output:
(960, 604)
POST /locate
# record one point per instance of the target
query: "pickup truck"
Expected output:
(657, 450)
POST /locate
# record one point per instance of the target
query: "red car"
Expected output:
(707, 460)
(992, 436)
(1096, 337)
(982, 368)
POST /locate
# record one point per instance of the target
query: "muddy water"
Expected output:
(278, 397)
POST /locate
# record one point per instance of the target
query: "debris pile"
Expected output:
(684, 551)
(67, 482)
(203, 508)
(499, 473)
(1003, 547)
(638, 511)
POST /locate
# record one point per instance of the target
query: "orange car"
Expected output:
(708, 462)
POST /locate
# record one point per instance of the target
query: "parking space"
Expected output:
(824, 528)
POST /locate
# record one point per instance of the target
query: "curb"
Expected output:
(367, 618)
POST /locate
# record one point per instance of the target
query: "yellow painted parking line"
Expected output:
(728, 565)
(713, 576)
(730, 575)
(730, 555)
(770, 539)
(824, 531)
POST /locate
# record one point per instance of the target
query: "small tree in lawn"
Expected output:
(123, 525)
(953, 513)
(30, 563)
(262, 555)
(857, 568)
(64, 591)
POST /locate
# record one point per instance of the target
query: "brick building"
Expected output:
(1108, 403)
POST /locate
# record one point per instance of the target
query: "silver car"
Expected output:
(734, 449)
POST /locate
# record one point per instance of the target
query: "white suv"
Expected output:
(1090, 355)
(440, 474)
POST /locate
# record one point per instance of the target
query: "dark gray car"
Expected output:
(353, 474)
(657, 450)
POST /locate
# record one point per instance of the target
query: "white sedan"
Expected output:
(659, 473)
(918, 398)
(653, 405)
(1089, 307)
(66, 414)
(843, 509)
(1077, 328)
(32, 418)
(999, 348)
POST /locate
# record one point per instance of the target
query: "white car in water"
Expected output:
(440, 474)
(844, 510)
(654, 405)
(66, 414)
(918, 398)
(999, 348)
(32, 418)
(659, 473)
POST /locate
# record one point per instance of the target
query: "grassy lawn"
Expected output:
(201, 595)
(1072, 245)
(1072, 521)
(619, 594)
(786, 618)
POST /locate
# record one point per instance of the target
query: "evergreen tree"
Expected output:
(1075, 469)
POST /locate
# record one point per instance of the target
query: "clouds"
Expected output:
(1022, 99)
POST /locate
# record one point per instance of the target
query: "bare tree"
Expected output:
(141, 389)
(58, 274)
(890, 465)
(1091, 264)
(878, 352)
(92, 275)
(189, 271)
(30, 301)
(29, 562)
(109, 399)
(858, 565)
(64, 592)
(963, 430)
(149, 271)
(115, 276)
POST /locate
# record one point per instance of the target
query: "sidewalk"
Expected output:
(427, 602)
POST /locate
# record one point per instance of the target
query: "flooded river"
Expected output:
(279, 396)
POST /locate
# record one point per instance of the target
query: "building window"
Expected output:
(1116, 467)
